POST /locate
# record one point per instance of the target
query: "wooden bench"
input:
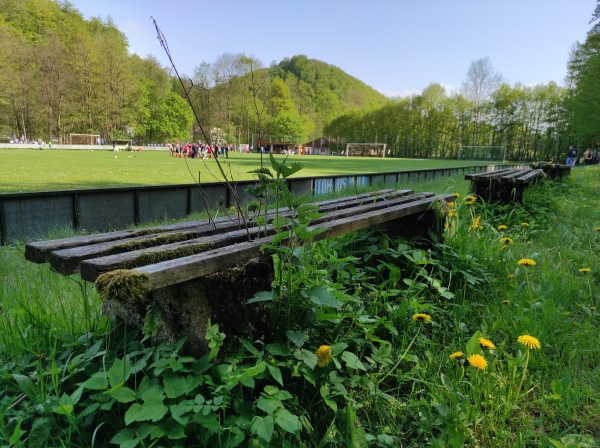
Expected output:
(181, 275)
(554, 171)
(504, 186)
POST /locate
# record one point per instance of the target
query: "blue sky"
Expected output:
(398, 47)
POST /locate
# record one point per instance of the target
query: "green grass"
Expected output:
(70, 378)
(35, 170)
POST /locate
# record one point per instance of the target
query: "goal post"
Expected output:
(491, 153)
(366, 149)
(84, 139)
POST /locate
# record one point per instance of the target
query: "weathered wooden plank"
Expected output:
(94, 260)
(39, 251)
(187, 268)
(488, 175)
(514, 175)
(531, 176)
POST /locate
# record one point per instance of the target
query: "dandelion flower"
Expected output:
(506, 301)
(324, 355)
(421, 317)
(585, 270)
(506, 240)
(477, 361)
(486, 343)
(452, 213)
(470, 198)
(526, 262)
(598, 229)
(476, 224)
(456, 355)
(456, 195)
(504, 247)
(502, 227)
(525, 224)
(529, 341)
(468, 202)
(510, 276)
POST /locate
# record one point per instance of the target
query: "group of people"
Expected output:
(198, 150)
(590, 156)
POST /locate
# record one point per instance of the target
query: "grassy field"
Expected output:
(35, 170)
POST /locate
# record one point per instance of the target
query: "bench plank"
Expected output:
(42, 251)
(176, 271)
(94, 261)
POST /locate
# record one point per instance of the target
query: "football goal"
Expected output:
(84, 139)
(366, 149)
(491, 153)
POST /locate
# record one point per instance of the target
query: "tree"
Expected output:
(482, 80)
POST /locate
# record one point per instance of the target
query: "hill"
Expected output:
(323, 91)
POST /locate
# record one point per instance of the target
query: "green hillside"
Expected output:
(323, 91)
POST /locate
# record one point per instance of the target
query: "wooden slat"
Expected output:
(187, 268)
(531, 176)
(514, 175)
(39, 251)
(488, 175)
(69, 261)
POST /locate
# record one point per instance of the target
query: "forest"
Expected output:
(62, 74)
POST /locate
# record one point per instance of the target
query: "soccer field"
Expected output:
(24, 170)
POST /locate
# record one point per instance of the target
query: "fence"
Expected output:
(30, 216)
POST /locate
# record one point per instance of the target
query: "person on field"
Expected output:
(588, 156)
(571, 156)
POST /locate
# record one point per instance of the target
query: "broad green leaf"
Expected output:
(97, 382)
(26, 385)
(125, 438)
(181, 412)
(145, 412)
(298, 338)
(119, 372)
(352, 361)
(287, 421)
(175, 385)
(275, 373)
(278, 349)
(263, 296)
(154, 393)
(122, 394)
(308, 357)
(63, 409)
(338, 348)
(39, 432)
(473, 346)
(269, 405)
(322, 297)
(263, 427)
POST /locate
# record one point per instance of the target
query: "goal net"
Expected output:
(84, 139)
(366, 149)
(491, 153)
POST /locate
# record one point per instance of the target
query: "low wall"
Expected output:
(31, 216)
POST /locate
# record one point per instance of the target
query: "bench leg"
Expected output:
(424, 228)
(183, 310)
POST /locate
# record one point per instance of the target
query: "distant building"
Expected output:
(319, 146)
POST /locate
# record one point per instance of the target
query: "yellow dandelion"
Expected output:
(470, 198)
(486, 343)
(324, 355)
(585, 270)
(597, 229)
(468, 202)
(477, 361)
(506, 301)
(504, 247)
(525, 224)
(529, 341)
(452, 213)
(421, 317)
(526, 262)
(456, 355)
(506, 240)
(510, 276)
(456, 195)
(232, 208)
(502, 227)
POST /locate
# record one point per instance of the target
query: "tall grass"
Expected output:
(380, 344)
